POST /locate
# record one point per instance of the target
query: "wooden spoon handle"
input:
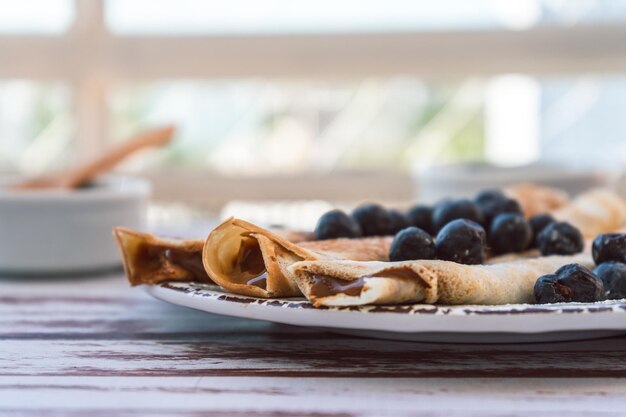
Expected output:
(81, 174)
(75, 177)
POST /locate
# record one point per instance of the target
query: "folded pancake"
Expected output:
(346, 283)
(594, 212)
(294, 236)
(247, 259)
(149, 259)
(537, 199)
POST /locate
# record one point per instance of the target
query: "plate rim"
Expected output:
(518, 319)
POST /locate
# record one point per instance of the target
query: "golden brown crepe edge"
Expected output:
(436, 278)
(127, 240)
(216, 264)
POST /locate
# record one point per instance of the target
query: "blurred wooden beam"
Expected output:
(543, 50)
(211, 191)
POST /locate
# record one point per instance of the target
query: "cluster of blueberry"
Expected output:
(366, 220)
(455, 230)
(576, 283)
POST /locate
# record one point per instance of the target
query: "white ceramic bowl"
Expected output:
(51, 231)
(465, 180)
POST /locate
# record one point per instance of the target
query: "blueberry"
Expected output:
(491, 208)
(422, 216)
(445, 212)
(538, 223)
(486, 196)
(609, 247)
(613, 276)
(585, 286)
(335, 224)
(398, 221)
(571, 282)
(549, 290)
(438, 206)
(560, 238)
(442, 202)
(410, 244)
(509, 232)
(461, 241)
(374, 220)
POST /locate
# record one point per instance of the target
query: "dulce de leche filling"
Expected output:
(151, 258)
(249, 261)
(326, 286)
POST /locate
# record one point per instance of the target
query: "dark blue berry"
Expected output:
(609, 247)
(336, 224)
(491, 208)
(374, 220)
(411, 244)
(486, 196)
(613, 276)
(398, 221)
(461, 241)
(444, 213)
(548, 290)
(538, 223)
(585, 286)
(560, 238)
(422, 216)
(509, 232)
(569, 283)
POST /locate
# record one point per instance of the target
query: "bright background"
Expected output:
(297, 88)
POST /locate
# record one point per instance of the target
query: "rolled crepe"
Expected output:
(246, 259)
(346, 283)
(149, 259)
(594, 212)
(537, 199)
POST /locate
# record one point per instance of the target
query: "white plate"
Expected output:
(511, 323)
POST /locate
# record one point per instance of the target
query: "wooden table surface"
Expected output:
(95, 347)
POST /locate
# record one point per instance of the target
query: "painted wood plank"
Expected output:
(285, 355)
(315, 396)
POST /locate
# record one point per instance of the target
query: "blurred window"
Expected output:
(99, 69)
(49, 17)
(36, 126)
(251, 127)
(321, 16)
(184, 17)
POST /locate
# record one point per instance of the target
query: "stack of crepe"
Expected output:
(239, 256)
(246, 259)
